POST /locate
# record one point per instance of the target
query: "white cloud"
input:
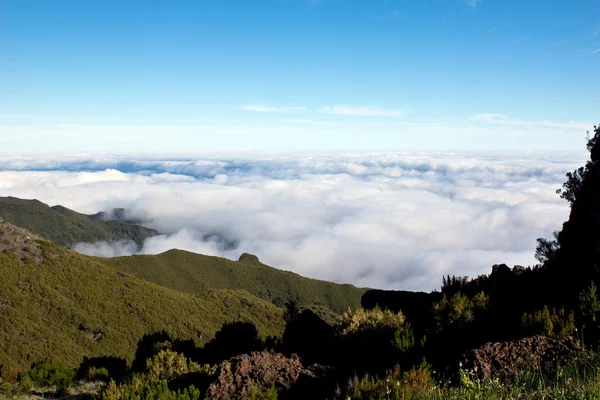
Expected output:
(596, 51)
(371, 111)
(265, 108)
(473, 3)
(104, 249)
(501, 119)
(388, 220)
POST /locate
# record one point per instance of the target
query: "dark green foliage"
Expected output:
(546, 249)
(404, 339)
(589, 304)
(459, 310)
(395, 384)
(454, 284)
(231, 340)
(260, 393)
(195, 273)
(102, 367)
(372, 340)
(146, 388)
(66, 227)
(50, 374)
(549, 323)
(307, 335)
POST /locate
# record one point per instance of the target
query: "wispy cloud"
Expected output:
(501, 119)
(305, 122)
(265, 108)
(473, 3)
(596, 51)
(371, 111)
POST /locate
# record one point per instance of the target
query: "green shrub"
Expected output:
(50, 374)
(549, 323)
(144, 387)
(416, 383)
(168, 364)
(589, 304)
(361, 320)
(97, 374)
(257, 392)
(458, 310)
(404, 338)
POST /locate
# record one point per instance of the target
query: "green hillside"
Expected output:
(176, 269)
(194, 273)
(67, 227)
(57, 303)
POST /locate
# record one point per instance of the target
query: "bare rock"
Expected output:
(247, 257)
(20, 242)
(237, 376)
(504, 359)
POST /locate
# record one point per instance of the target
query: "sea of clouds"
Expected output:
(384, 220)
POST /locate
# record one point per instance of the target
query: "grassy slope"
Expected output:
(55, 307)
(66, 227)
(179, 270)
(194, 273)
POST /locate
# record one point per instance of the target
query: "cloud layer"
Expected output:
(386, 220)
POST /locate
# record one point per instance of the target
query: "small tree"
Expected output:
(546, 249)
(589, 304)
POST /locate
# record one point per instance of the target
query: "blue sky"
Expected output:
(198, 76)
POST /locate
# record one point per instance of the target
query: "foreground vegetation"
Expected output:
(170, 375)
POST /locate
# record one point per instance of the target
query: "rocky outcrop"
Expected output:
(504, 359)
(20, 242)
(237, 376)
(250, 258)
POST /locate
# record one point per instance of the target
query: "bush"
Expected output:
(549, 323)
(396, 385)
(102, 368)
(404, 338)
(97, 374)
(50, 374)
(168, 365)
(361, 320)
(145, 388)
(259, 393)
(459, 310)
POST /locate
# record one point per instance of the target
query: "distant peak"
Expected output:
(247, 257)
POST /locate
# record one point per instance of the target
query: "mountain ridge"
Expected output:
(194, 273)
(66, 227)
